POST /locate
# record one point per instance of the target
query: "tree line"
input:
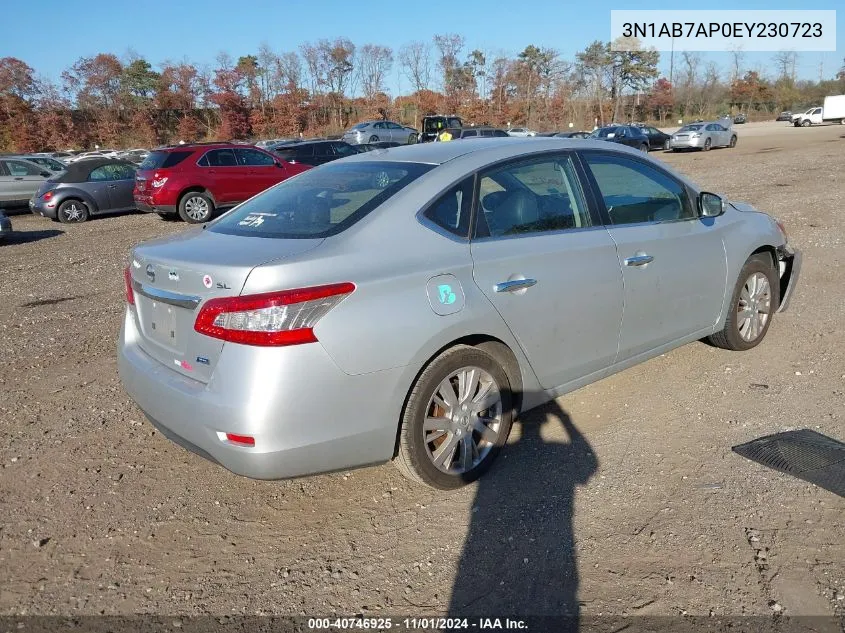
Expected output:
(324, 86)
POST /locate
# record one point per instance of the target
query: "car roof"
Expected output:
(440, 153)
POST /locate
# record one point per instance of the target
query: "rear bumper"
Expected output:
(687, 143)
(305, 414)
(146, 205)
(41, 208)
(789, 279)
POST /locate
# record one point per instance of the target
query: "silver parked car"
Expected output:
(19, 180)
(702, 136)
(407, 303)
(380, 131)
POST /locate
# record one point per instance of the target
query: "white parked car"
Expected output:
(521, 131)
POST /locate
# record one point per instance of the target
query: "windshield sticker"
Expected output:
(256, 219)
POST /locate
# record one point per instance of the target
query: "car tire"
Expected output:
(806, 123)
(196, 207)
(73, 212)
(748, 295)
(644, 148)
(707, 145)
(459, 453)
(373, 139)
(412, 138)
(733, 141)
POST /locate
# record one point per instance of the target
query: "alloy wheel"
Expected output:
(754, 307)
(196, 208)
(463, 420)
(73, 212)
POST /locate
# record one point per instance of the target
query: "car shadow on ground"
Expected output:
(26, 237)
(519, 557)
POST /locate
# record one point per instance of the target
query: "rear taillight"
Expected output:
(270, 319)
(127, 282)
(47, 195)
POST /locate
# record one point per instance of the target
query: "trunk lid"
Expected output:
(174, 276)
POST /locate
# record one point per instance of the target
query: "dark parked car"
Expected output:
(5, 226)
(740, 118)
(657, 139)
(786, 115)
(88, 187)
(434, 124)
(629, 135)
(315, 152)
(194, 180)
(571, 135)
(478, 132)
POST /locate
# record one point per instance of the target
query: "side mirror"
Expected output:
(278, 164)
(710, 205)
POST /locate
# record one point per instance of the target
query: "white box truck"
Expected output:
(832, 111)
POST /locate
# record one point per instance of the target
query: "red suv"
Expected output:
(194, 180)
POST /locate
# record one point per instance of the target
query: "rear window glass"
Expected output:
(319, 202)
(163, 160)
(690, 128)
(360, 126)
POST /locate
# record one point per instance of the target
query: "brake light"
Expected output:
(158, 181)
(242, 440)
(127, 282)
(47, 195)
(270, 319)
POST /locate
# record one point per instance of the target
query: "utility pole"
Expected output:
(672, 61)
(821, 69)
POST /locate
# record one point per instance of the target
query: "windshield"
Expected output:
(319, 202)
(434, 124)
(360, 126)
(604, 132)
(690, 128)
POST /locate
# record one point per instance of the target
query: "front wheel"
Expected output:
(373, 139)
(644, 148)
(72, 212)
(707, 145)
(806, 123)
(733, 142)
(754, 301)
(456, 420)
(196, 207)
(412, 138)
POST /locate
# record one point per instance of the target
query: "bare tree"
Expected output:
(692, 62)
(738, 56)
(785, 62)
(374, 63)
(449, 46)
(415, 59)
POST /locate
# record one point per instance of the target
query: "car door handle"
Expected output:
(514, 284)
(112, 186)
(639, 260)
(19, 178)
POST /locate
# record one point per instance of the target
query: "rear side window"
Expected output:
(451, 211)
(221, 158)
(320, 202)
(162, 160)
(253, 157)
(21, 168)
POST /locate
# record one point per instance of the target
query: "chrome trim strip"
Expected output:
(172, 298)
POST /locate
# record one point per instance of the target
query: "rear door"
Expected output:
(673, 263)
(226, 179)
(548, 266)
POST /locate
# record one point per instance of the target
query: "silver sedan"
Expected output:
(380, 131)
(702, 136)
(406, 304)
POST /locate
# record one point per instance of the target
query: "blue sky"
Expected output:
(198, 30)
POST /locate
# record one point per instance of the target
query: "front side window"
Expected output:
(320, 202)
(634, 192)
(531, 197)
(253, 157)
(342, 149)
(101, 174)
(451, 211)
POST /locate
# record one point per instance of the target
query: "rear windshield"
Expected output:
(690, 128)
(319, 202)
(604, 132)
(360, 126)
(163, 160)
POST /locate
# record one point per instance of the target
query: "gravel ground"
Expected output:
(621, 498)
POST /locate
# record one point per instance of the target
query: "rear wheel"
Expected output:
(707, 145)
(644, 148)
(733, 141)
(412, 138)
(73, 211)
(196, 207)
(457, 418)
(753, 303)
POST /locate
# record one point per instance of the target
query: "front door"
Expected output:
(548, 267)
(673, 262)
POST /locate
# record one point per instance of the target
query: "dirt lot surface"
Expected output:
(620, 498)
